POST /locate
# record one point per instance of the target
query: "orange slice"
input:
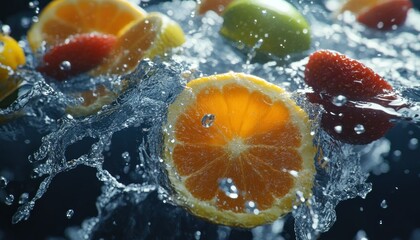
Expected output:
(11, 56)
(145, 38)
(238, 150)
(93, 101)
(63, 18)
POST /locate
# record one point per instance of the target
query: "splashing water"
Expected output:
(127, 198)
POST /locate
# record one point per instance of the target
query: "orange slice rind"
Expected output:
(237, 132)
(63, 18)
(146, 38)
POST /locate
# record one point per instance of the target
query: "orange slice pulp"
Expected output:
(238, 150)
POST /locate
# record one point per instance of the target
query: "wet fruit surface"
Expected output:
(379, 14)
(273, 27)
(352, 95)
(78, 54)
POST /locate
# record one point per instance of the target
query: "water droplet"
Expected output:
(359, 129)
(197, 235)
(208, 120)
(396, 155)
(23, 198)
(9, 199)
(35, 19)
(384, 204)
(126, 156)
(380, 25)
(361, 235)
(251, 207)
(5, 29)
(339, 100)
(380, 222)
(413, 144)
(69, 213)
(228, 187)
(338, 129)
(65, 66)
(300, 196)
(3, 182)
(33, 4)
(293, 173)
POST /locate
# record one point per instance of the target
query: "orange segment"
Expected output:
(256, 147)
(145, 38)
(62, 18)
(94, 100)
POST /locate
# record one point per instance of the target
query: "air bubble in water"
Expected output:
(384, 204)
(9, 199)
(228, 187)
(208, 120)
(359, 129)
(339, 100)
(5, 29)
(413, 144)
(300, 196)
(251, 207)
(3, 182)
(126, 156)
(23, 198)
(33, 4)
(65, 65)
(338, 129)
(361, 235)
(69, 213)
(197, 235)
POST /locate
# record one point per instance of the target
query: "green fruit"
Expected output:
(281, 27)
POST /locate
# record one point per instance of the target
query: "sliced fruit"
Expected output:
(78, 54)
(342, 85)
(93, 101)
(146, 38)
(63, 18)
(336, 74)
(379, 14)
(280, 26)
(217, 6)
(11, 56)
(238, 150)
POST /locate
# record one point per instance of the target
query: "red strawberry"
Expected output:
(333, 76)
(83, 52)
(386, 14)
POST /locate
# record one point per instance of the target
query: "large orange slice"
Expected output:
(63, 18)
(238, 150)
(146, 38)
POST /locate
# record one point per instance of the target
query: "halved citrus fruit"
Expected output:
(93, 100)
(238, 150)
(145, 38)
(11, 56)
(63, 18)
